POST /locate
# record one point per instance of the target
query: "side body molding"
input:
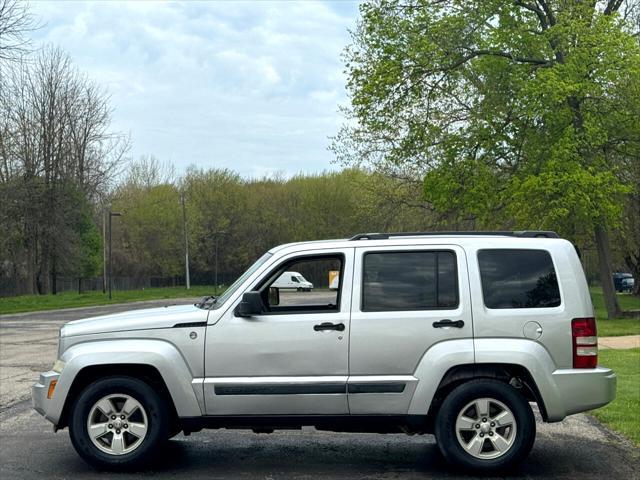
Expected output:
(432, 367)
(156, 353)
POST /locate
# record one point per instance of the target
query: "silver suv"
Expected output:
(449, 333)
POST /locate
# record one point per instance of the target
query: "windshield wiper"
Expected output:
(206, 302)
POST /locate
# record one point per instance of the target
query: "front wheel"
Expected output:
(118, 422)
(485, 425)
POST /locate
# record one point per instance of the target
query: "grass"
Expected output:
(32, 303)
(617, 326)
(623, 414)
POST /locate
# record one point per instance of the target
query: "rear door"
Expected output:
(405, 300)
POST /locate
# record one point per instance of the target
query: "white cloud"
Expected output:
(252, 86)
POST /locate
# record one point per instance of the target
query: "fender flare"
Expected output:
(159, 354)
(433, 366)
(531, 356)
(528, 354)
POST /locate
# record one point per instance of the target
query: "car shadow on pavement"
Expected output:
(319, 455)
(227, 454)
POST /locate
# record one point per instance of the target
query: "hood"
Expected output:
(151, 318)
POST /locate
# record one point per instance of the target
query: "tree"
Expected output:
(148, 239)
(629, 233)
(149, 172)
(232, 221)
(15, 22)
(517, 114)
(56, 154)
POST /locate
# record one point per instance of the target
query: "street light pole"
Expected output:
(111, 215)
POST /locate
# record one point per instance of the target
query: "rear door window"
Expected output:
(514, 278)
(409, 280)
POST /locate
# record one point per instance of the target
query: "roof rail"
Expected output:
(521, 234)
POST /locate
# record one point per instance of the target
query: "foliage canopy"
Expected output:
(521, 114)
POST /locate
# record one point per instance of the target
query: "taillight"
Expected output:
(585, 342)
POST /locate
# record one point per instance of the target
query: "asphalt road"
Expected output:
(578, 448)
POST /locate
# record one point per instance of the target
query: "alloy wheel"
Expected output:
(117, 424)
(486, 428)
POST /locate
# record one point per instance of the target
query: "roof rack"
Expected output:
(520, 234)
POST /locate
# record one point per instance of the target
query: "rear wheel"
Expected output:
(118, 422)
(485, 425)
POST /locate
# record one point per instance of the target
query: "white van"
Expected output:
(293, 280)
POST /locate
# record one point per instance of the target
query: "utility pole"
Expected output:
(104, 250)
(111, 215)
(186, 243)
(217, 234)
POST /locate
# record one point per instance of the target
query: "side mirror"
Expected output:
(274, 296)
(251, 304)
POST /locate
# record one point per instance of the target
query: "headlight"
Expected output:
(58, 366)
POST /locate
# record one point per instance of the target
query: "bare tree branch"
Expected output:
(15, 23)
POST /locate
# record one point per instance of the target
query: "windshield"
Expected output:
(234, 286)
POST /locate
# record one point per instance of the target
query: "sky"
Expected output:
(253, 86)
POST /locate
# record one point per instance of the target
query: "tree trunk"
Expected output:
(44, 273)
(54, 276)
(606, 275)
(633, 262)
(32, 284)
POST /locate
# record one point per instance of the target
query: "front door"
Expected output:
(292, 358)
(406, 299)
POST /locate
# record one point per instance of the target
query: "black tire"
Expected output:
(174, 431)
(158, 414)
(461, 396)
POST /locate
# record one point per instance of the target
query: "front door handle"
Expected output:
(329, 326)
(448, 323)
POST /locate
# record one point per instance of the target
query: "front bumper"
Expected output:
(585, 389)
(39, 390)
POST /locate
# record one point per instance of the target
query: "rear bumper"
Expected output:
(39, 400)
(580, 390)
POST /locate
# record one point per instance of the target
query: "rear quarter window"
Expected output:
(515, 278)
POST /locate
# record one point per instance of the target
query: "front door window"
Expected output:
(311, 292)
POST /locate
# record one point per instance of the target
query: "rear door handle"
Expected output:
(329, 326)
(448, 323)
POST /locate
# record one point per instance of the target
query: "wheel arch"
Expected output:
(89, 374)
(155, 361)
(515, 375)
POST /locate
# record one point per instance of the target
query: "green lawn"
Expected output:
(31, 303)
(623, 414)
(617, 326)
